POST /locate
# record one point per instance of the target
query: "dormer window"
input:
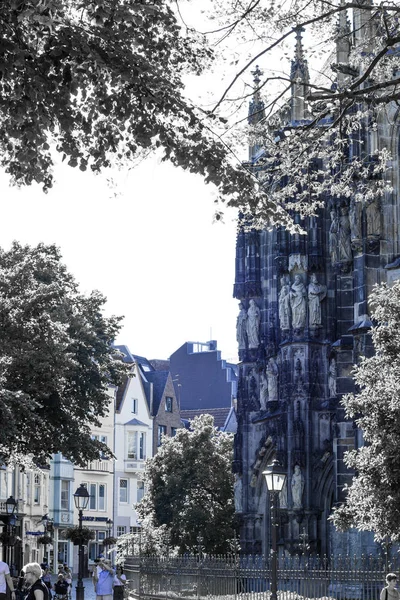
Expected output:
(168, 404)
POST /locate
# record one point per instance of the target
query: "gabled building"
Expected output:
(165, 407)
(133, 442)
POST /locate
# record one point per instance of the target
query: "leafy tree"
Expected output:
(190, 489)
(373, 498)
(101, 82)
(56, 359)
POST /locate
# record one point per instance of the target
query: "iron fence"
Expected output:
(249, 577)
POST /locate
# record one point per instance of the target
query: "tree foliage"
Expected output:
(189, 493)
(56, 359)
(102, 82)
(373, 498)
(346, 71)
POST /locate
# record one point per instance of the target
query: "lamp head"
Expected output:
(81, 497)
(11, 505)
(275, 477)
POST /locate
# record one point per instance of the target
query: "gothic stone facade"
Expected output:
(303, 323)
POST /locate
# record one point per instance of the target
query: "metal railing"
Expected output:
(249, 577)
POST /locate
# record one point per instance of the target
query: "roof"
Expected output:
(220, 415)
(135, 422)
(159, 380)
(127, 356)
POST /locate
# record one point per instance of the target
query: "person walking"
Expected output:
(390, 592)
(38, 590)
(119, 583)
(103, 580)
(5, 580)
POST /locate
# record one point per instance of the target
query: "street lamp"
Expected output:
(109, 527)
(81, 499)
(275, 478)
(11, 506)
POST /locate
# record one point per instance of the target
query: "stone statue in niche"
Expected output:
(297, 484)
(238, 493)
(332, 376)
(284, 304)
(334, 237)
(344, 240)
(272, 376)
(253, 325)
(316, 293)
(373, 218)
(263, 390)
(298, 303)
(241, 324)
(283, 496)
(355, 217)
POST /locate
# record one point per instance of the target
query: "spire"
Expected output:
(300, 78)
(256, 106)
(343, 45)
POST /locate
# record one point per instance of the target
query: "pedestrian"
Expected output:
(68, 578)
(390, 592)
(103, 580)
(38, 590)
(5, 579)
(61, 587)
(46, 577)
(119, 583)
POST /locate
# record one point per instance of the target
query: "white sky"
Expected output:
(152, 250)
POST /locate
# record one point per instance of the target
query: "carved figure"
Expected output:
(272, 375)
(355, 216)
(284, 304)
(316, 293)
(253, 325)
(283, 496)
(298, 303)
(241, 323)
(334, 237)
(332, 376)
(373, 218)
(297, 483)
(344, 240)
(263, 391)
(238, 493)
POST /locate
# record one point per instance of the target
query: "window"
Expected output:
(123, 490)
(132, 444)
(64, 494)
(28, 487)
(121, 530)
(103, 439)
(140, 490)
(162, 430)
(36, 489)
(96, 546)
(102, 496)
(173, 431)
(168, 404)
(136, 445)
(134, 405)
(142, 446)
(93, 496)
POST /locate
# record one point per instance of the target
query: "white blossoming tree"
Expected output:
(373, 498)
(189, 498)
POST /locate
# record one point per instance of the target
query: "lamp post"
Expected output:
(45, 520)
(11, 506)
(275, 478)
(81, 499)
